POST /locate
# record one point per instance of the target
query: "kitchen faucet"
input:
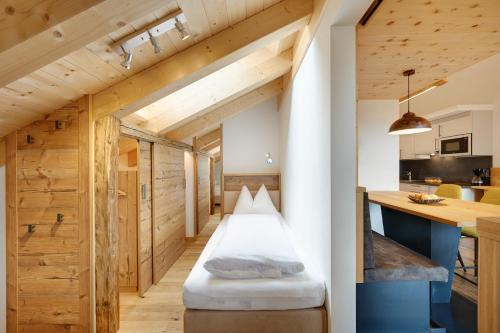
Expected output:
(408, 173)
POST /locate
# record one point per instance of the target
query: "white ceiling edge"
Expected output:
(458, 109)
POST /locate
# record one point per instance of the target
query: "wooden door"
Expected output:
(203, 205)
(145, 237)
(169, 208)
(48, 225)
(127, 230)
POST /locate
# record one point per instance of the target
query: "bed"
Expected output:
(293, 303)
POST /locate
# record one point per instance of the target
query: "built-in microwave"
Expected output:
(457, 145)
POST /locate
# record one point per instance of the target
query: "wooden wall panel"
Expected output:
(11, 232)
(203, 191)
(127, 220)
(106, 151)
(489, 275)
(48, 174)
(169, 208)
(146, 217)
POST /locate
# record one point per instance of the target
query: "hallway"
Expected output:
(161, 309)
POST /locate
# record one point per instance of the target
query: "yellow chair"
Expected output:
(489, 197)
(449, 191)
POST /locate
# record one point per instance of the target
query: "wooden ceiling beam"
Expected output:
(202, 59)
(226, 111)
(131, 131)
(229, 87)
(207, 139)
(212, 145)
(34, 34)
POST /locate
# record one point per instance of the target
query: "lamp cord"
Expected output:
(408, 93)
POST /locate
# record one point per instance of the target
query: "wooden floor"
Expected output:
(161, 309)
(460, 285)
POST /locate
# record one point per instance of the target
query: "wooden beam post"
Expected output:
(207, 139)
(202, 59)
(226, 111)
(106, 151)
(11, 232)
(36, 33)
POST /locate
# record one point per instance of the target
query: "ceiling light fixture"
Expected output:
(154, 41)
(409, 123)
(182, 29)
(423, 91)
(127, 58)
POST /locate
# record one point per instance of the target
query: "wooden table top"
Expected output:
(485, 188)
(457, 213)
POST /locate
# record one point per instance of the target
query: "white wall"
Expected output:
(189, 169)
(305, 156)
(478, 84)
(318, 157)
(378, 152)
(3, 279)
(249, 136)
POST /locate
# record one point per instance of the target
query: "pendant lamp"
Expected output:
(409, 123)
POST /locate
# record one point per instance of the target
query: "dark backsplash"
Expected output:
(450, 169)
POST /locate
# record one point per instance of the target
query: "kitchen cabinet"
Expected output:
(407, 147)
(426, 143)
(467, 193)
(460, 124)
(477, 123)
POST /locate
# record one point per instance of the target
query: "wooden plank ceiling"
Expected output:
(437, 38)
(94, 67)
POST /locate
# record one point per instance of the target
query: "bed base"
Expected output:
(313, 320)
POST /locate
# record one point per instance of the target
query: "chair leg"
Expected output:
(461, 261)
(476, 256)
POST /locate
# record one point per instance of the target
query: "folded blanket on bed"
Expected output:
(254, 246)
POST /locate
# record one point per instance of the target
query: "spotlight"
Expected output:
(182, 29)
(154, 42)
(127, 58)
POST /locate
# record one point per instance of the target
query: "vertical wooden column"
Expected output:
(145, 238)
(11, 231)
(106, 151)
(489, 275)
(221, 171)
(212, 186)
(85, 165)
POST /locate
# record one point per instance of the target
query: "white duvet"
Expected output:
(253, 246)
(203, 290)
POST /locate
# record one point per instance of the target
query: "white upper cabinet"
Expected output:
(406, 147)
(460, 124)
(458, 120)
(426, 143)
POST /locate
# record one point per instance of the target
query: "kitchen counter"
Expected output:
(422, 182)
(457, 213)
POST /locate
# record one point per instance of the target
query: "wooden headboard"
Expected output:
(232, 184)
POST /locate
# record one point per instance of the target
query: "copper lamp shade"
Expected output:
(409, 123)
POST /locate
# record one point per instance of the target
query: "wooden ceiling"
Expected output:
(71, 70)
(435, 37)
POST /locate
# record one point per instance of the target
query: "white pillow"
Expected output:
(262, 203)
(244, 202)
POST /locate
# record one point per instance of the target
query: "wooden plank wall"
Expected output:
(203, 211)
(489, 275)
(169, 209)
(127, 237)
(146, 217)
(48, 175)
(106, 151)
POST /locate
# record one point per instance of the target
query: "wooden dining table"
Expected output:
(431, 230)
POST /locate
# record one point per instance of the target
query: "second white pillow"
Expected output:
(244, 203)
(262, 203)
